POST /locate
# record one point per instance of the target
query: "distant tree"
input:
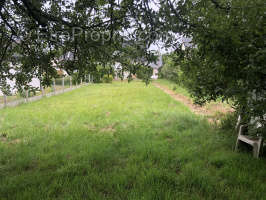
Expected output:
(171, 69)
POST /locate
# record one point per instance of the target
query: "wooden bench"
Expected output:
(255, 142)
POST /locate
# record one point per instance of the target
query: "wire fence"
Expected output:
(59, 86)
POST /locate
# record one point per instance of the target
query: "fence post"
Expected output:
(70, 81)
(63, 84)
(5, 100)
(42, 92)
(85, 78)
(27, 95)
(89, 78)
(81, 81)
(42, 89)
(54, 85)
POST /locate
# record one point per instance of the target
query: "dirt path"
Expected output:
(210, 110)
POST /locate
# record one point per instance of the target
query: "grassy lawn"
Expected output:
(172, 86)
(120, 141)
(183, 91)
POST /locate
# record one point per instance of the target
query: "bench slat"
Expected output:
(246, 140)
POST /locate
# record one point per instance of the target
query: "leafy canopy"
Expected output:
(226, 57)
(36, 36)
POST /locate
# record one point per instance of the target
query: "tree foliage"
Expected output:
(171, 69)
(35, 35)
(226, 57)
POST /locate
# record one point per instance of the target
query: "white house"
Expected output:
(12, 83)
(155, 66)
(35, 82)
(186, 43)
(118, 69)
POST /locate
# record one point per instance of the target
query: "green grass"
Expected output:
(178, 89)
(120, 141)
(172, 86)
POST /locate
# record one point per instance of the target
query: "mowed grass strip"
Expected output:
(120, 141)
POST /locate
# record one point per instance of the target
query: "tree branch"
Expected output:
(217, 5)
(2, 3)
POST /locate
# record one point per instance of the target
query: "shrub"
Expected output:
(31, 92)
(174, 88)
(144, 73)
(75, 78)
(228, 121)
(107, 78)
(171, 69)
